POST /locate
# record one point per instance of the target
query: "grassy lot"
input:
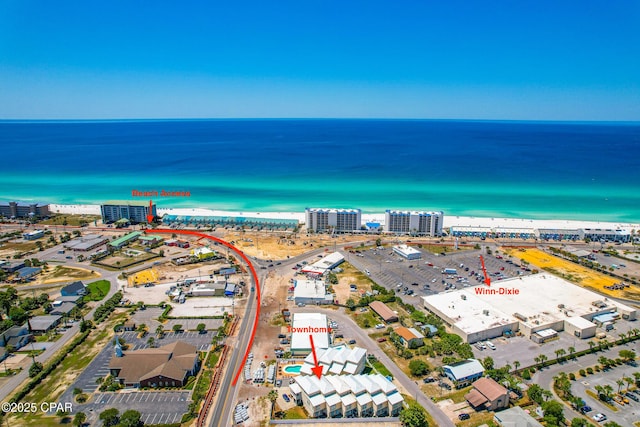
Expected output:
(362, 319)
(97, 290)
(71, 272)
(477, 419)
(120, 261)
(378, 366)
(63, 376)
(74, 220)
(20, 247)
(297, 413)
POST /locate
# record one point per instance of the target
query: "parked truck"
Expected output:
(450, 271)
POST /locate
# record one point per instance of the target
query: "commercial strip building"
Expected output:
(418, 223)
(338, 220)
(347, 396)
(528, 304)
(327, 263)
(85, 243)
(305, 324)
(337, 361)
(382, 310)
(125, 240)
(311, 292)
(24, 210)
(166, 366)
(492, 232)
(407, 252)
(135, 212)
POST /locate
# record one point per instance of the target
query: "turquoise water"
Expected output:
(491, 169)
(293, 369)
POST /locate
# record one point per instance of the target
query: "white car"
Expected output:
(379, 326)
(599, 417)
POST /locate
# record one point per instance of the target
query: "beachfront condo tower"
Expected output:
(338, 220)
(414, 223)
(133, 211)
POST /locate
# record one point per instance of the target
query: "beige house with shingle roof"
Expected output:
(166, 366)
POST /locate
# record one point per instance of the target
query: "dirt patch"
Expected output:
(61, 273)
(280, 245)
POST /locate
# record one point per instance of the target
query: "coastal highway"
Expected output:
(221, 414)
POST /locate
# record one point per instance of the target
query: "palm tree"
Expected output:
(620, 384)
(516, 364)
(571, 351)
(560, 352)
(542, 358)
(159, 331)
(629, 381)
(608, 391)
(604, 362)
(600, 391)
(622, 336)
(272, 396)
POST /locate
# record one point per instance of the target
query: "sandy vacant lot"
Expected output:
(202, 306)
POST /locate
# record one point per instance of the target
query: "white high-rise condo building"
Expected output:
(339, 220)
(413, 222)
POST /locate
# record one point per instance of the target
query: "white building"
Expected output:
(526, 304)
(305, 324)
(337, 361)
(327, 263)
(598, 234)
(407, 252)
(339, 220)
(413, 222)
(311, 292)
(347, 396)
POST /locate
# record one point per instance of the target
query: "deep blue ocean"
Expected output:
(511, 169)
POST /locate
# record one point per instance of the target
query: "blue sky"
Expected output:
(522, 60)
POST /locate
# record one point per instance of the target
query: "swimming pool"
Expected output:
(292, 369)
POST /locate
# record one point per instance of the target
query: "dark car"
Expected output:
(383, 339)
(463, 416)
(414, 284)
(632, 396)
(352, 341)
(286, 398)
(282, 336)
(429, 380)
(585, 409)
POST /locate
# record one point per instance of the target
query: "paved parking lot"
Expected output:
(201, 341)
(156, 407)
(627, 414)
(394, 272)
(192, 324)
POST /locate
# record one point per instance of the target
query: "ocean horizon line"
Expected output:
(372, 119)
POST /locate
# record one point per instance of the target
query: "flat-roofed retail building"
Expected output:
(407, 252)
(526, 304)
(311, 292)
(305, 324)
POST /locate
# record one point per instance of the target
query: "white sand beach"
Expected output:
(449, 220)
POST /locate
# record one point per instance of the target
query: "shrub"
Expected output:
(526, 375)
(583, 373)
(572, 376)
(590, 370)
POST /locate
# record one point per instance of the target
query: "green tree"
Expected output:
(35, 369)
(79, 419)
(201, 328)
(553, 412)
(487, 362)
(627, 355)
(579, 422)
(414, 415)
(611, 424)
(109, 417)
(130, 418)
(151, 341)
(177, 328)
(159, 331)
(418, 367)
(538, 394)
(351, 304)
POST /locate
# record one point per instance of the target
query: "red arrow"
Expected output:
(487, 280)
(316, 369)
(150, 213)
